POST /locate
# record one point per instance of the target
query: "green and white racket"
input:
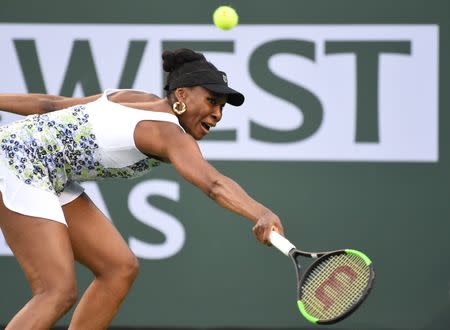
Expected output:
(333, 286)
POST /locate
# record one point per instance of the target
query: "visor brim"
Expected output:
(233, 97)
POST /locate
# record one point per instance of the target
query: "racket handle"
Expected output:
(281, 243)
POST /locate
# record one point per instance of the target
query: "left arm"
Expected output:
(29, 104)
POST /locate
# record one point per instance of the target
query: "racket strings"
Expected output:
(334, 286)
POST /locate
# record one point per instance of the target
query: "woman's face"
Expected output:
(204, 110)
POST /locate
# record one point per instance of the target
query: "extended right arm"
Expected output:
(180, 149)
(28, 104)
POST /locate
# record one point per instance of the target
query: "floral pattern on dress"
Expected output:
(48, 150)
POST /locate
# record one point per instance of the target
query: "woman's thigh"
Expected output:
(42, 247)
(95, 241)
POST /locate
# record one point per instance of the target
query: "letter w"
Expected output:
(81, 68)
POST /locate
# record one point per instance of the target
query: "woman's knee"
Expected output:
(62, 294)
(124, 271)
(128, 269)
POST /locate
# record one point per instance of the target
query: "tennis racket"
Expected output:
(333, 286)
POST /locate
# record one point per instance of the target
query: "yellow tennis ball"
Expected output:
(225, 17)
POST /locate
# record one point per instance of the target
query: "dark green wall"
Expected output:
(399, 213)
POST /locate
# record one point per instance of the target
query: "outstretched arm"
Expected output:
(183, 152)
(29, 104)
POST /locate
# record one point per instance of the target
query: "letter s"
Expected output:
(305, 100)
(155, 218)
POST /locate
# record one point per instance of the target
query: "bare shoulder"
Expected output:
(158, 138)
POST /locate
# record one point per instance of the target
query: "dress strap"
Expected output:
(143, 114)
(110, 91)
(163, 116)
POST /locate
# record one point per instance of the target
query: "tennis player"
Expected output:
(47, 219)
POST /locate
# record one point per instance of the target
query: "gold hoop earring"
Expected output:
(179, 107)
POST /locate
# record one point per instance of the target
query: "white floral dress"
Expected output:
(42, 156)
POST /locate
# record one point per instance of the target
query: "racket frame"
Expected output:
(320, 257)
(287, 248)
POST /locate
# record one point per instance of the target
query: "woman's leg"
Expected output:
(43, 249)
(99, 246)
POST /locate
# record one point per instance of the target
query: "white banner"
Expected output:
(313, 92)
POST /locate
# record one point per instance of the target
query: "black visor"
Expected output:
(203, 73)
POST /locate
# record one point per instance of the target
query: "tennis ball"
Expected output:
(225, 17)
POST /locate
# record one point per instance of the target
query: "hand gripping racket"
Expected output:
(333, 286)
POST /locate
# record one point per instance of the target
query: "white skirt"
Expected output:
(33, 201)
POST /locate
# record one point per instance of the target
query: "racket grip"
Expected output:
(281, 243)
